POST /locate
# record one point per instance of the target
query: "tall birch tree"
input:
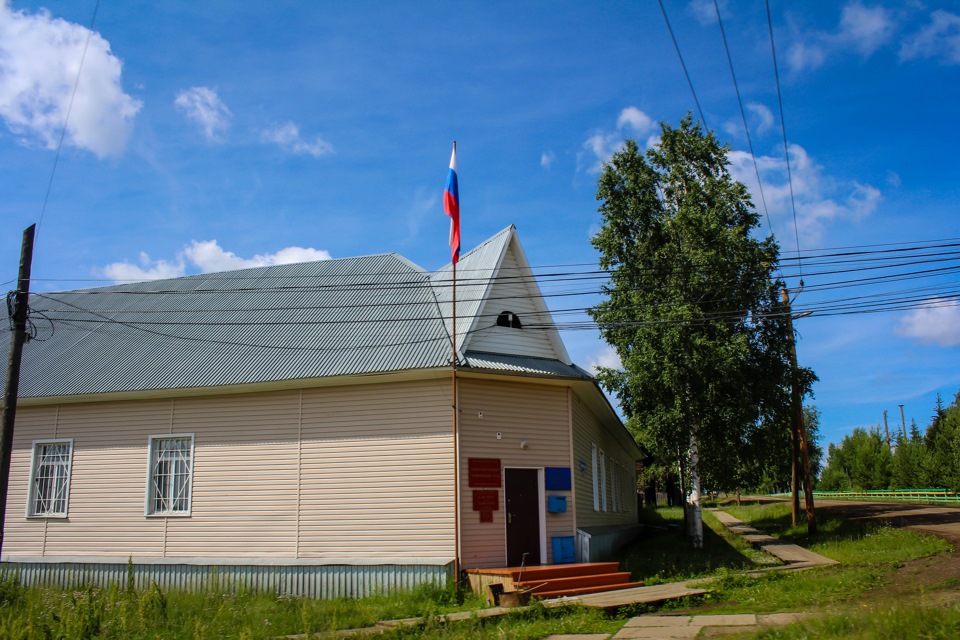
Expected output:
(689, 305)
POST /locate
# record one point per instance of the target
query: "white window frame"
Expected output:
(624, 493)
(150, 507)
(625, 488)
(595, 477)
(35, 469)
(621, 481)
(603, 480)
(615, 478)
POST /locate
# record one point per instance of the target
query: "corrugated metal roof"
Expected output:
(284, 322)
(523, 364)
(370, 314)
(475, 273)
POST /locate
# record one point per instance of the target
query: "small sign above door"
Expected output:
(484, 472)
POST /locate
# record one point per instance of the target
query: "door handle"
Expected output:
(509, 517)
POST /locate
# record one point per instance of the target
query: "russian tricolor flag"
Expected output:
(451, 205)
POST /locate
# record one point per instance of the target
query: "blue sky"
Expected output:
(214, 135)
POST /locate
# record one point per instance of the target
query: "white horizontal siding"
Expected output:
(511, 292)
(535, 413)
(346, 473)
(105, 514)
(20, 533)
(587, 432)
(245, 477)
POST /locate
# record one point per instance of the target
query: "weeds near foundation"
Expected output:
(870, 554)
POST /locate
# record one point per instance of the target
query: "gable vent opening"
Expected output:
(509, 319)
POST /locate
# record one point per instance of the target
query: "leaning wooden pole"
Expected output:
(796, 402)
(12, 388)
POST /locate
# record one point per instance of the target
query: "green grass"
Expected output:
(94, 613)
(532, 624)
(921, 622)
(870, 553)
(664, 553)
(850, 542)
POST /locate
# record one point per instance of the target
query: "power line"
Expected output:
(830, 264)
(743, 115)
(66, 118)
(684, 65)
(893, 300)
(783, 128)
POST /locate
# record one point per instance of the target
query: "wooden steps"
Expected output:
(555, 581)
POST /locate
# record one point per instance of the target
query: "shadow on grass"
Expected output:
(664, 554)
(776, 520)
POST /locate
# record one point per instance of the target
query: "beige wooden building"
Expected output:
(293, 426)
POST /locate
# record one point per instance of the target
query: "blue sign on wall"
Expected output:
(557, 478)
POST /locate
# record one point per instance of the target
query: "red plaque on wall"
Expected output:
(484, 472)
(486, 500)
(486, 516)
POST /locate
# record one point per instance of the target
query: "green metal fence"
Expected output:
(923, 496)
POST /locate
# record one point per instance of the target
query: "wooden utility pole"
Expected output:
(17, 337)
(794, 463)
(903, 423)
(886, 428)
(799, 429)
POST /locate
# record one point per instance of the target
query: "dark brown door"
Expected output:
(522, 495)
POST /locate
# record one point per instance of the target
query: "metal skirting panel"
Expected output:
(599, 544)
(323, 581)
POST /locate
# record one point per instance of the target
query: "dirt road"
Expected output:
(918, 577)
(939, 520)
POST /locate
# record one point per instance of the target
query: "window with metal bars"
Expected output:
(171, 475)
(49, 492)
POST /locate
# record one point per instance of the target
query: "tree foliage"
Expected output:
(693, 308)
(864, 460)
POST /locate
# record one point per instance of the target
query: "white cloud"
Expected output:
(606, 357)
(209, 256)
(763, 115)
(938, 323)
(759, 119)
(425, 205)
(705, 12)
(600, 146)
(864, 29)
(39, 61)
(287, 137)
(806, 55)
(939, 39)
(206, 256)
(636, 120)
(147, 270)
(821, 200)
(861, 29)
(547, 158)
(204, 107)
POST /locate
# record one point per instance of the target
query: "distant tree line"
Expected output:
(866, 460)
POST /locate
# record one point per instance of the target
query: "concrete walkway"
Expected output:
(635, 595)
(688, 626)
(794, 556)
